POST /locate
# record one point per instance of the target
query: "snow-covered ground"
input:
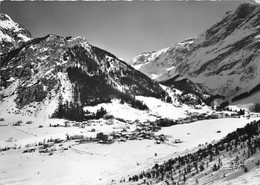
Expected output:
(168, 110)
(93, 163)
(157, 109)
(123, 111)
(16, 136)
(203, 131)
(250, 178)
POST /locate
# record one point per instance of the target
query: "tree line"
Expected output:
(191, 164)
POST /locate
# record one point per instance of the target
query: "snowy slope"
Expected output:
(93, 163)
(157, 109)
(223, 59)
(158, 65)
(12, 35)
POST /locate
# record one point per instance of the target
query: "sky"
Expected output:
(125, 29)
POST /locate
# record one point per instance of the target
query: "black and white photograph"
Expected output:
(130, 92)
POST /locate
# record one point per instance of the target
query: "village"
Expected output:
(121, 130)
(101, 139)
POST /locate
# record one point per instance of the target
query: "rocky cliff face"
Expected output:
(223, 60)
(12, 35)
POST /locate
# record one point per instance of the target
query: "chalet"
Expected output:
(157, 141)
(122, 140)
(86, 123)
(105, 138)
(18, 123)
(68, 124)
(126, 135)
(110, 122)
(77, 124)
(234, 115)
(49, 144)
(74, 137)
(156, 129)
(90, 115)
(252, 115)
(133, 137)
(194, 119)
(219, 115)
(142, 135)
(58, 140)
(29, 122)
(215, 116)
(186, 120)
(82, 125)
(116, 135)
(29, 150)
(108, 117)
(102, 136)
(177, 141)
(179, 121)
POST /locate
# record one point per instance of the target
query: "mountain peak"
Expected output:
(4, 17)
(12, 34)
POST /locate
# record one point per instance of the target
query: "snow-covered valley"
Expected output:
(73, 113)
(94, 163)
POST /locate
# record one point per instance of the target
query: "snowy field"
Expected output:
(157, 109)
(94, 163)
(16, 136)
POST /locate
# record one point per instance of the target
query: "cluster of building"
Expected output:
(144, 130)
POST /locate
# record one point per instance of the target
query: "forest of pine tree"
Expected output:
(70, 111)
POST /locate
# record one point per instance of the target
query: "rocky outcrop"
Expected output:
(27, 95)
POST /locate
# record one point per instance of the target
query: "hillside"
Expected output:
(222, 60)
(55, 69)
(234, 159)
(58, 76)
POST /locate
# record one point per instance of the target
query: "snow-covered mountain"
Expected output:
(47, 72)
(12, 34)
(158, 64)
(223, 60)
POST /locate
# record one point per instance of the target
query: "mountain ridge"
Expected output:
(56, 70)
(222, 60)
